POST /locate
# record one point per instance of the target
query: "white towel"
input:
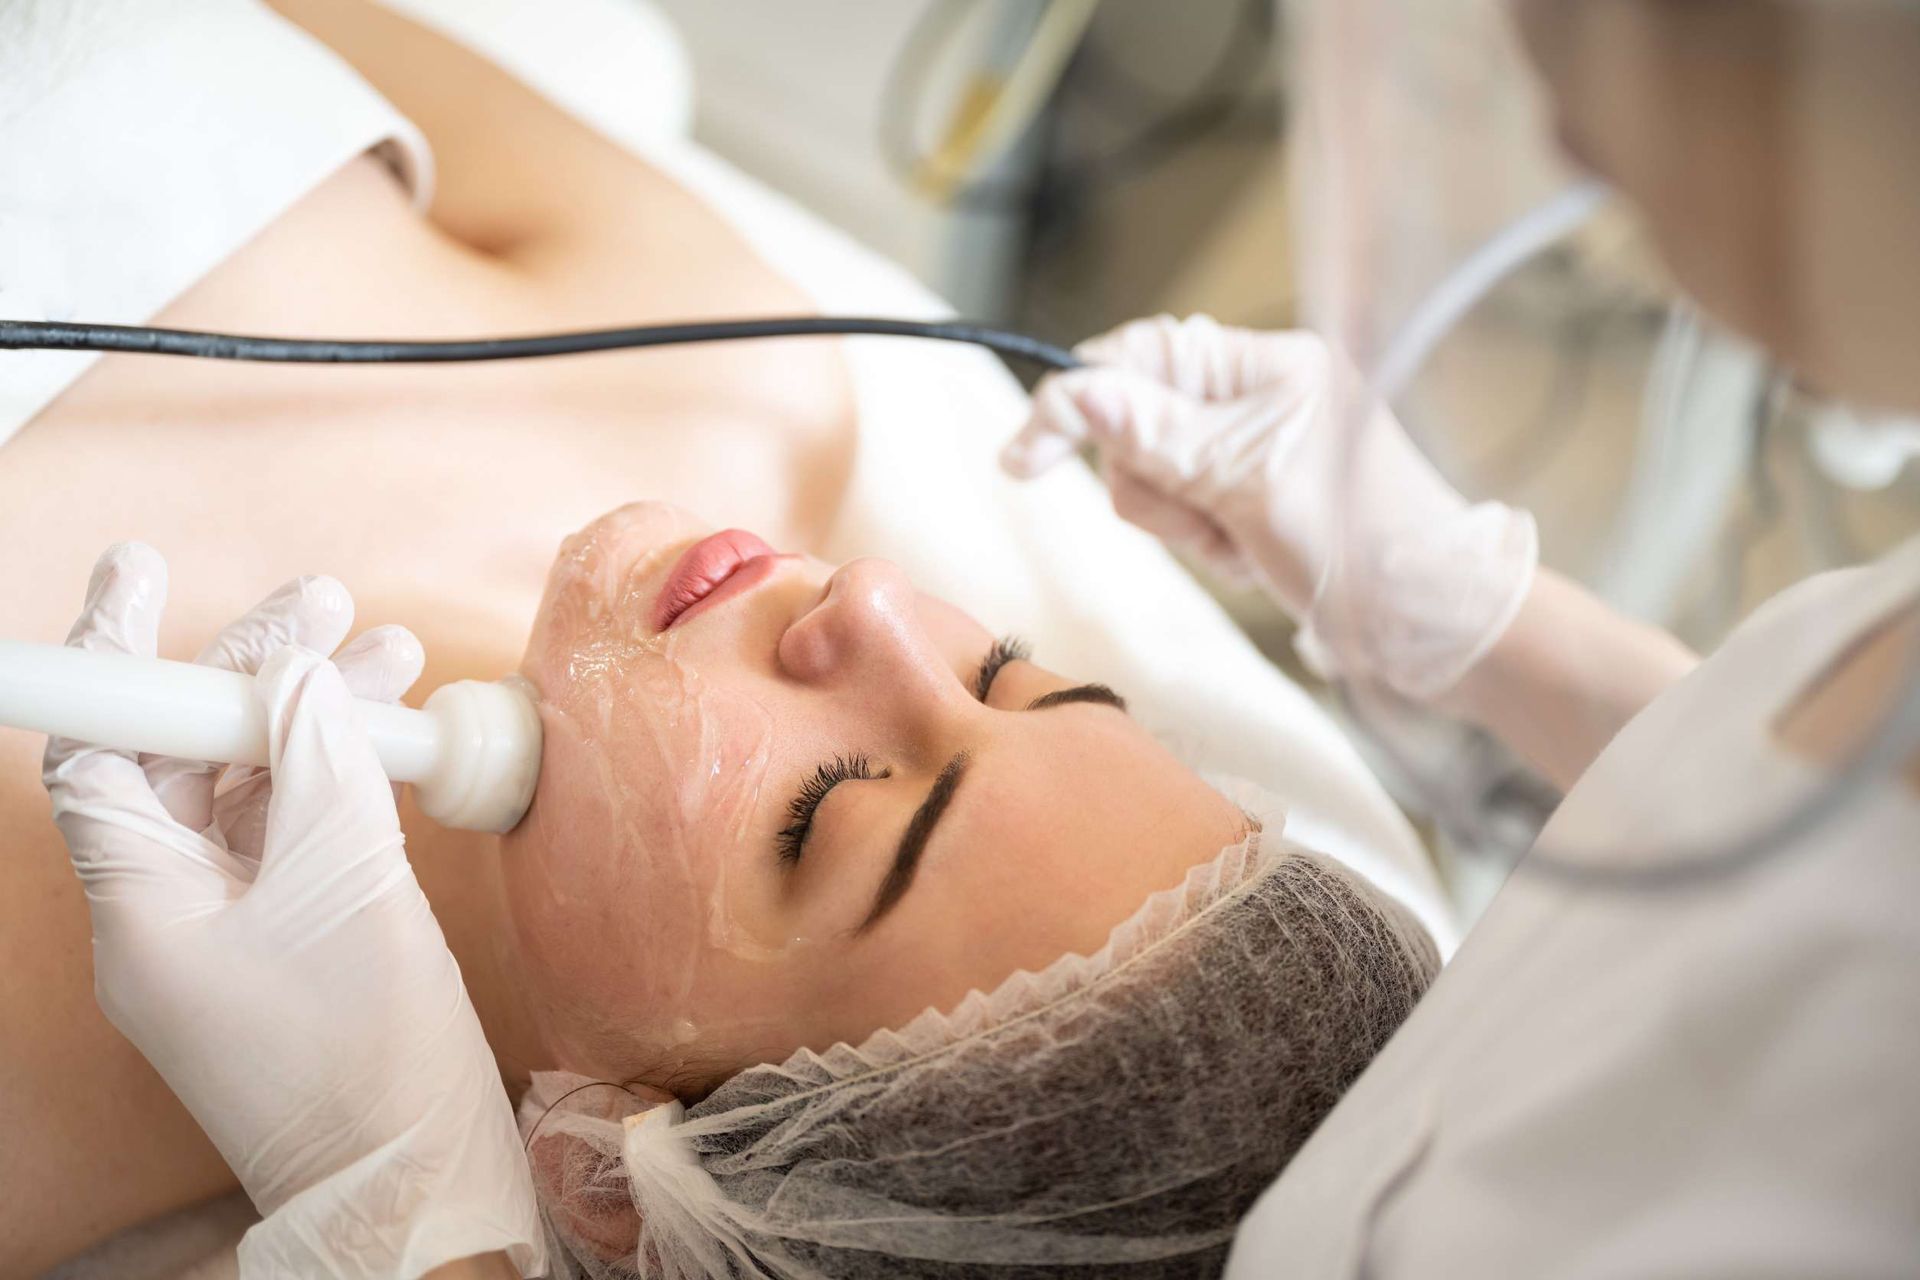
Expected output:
(142, 143)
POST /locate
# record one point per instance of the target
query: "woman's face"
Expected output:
(1769, 144)
(808, 806)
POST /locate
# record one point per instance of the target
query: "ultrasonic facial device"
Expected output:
(472, 752)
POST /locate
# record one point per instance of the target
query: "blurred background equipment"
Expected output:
(1059, 164)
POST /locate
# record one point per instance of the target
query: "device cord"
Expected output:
(48, 335)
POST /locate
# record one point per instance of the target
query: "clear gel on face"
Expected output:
(624, 875)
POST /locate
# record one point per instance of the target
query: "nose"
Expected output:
(865, 641)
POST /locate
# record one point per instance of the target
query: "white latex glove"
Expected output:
(1235, 444)
(271, 954)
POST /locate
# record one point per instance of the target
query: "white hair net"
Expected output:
(1114, 1113)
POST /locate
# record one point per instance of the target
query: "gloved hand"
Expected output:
(1240, 446)
(271, 954)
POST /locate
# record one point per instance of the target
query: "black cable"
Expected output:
(47, 335)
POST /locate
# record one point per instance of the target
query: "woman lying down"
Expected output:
(844, 934)
(1003, 985)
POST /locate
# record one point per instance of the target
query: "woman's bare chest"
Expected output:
(438, 497)
(438, 494)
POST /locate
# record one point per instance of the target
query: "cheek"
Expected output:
(623, 881)
(596, 565)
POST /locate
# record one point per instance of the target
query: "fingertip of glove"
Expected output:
(396, 643)
(131, 554)
(1100, 403)
(1148, 344)
(126, 593)
(1063, 401)
(381, 663)
(1098, 351)
(1034, 452)
(1111, 350)
(1015, 462)
(125, 561)
(321, 594)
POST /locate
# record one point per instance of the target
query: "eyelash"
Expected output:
(792, 838)
(800, 810)
(1006, 649)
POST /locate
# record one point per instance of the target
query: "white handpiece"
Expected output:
(472, 753)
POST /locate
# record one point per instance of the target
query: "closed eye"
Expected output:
(940, 797)
(791, 840)
(1013, 649)
(1006, 649)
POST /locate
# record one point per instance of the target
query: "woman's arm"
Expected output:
(1566, 677)
(498, 146)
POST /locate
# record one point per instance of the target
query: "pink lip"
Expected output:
(717, 567)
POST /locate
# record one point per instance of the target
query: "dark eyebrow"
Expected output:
(1097, 693)
(906, 858)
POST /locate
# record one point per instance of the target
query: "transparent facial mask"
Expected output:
(1569, 344)
(652, 784)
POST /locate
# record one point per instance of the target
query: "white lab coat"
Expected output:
(1716, 1081)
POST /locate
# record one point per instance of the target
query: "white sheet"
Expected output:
(1046, 560)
